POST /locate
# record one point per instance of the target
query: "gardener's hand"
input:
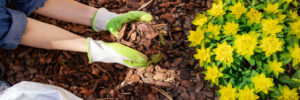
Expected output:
(112, 22)
(99, 51)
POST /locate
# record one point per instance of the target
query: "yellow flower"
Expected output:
(238, 9)
(247, 94)
(196, 37)
(262, 83)
(227, 93)
(203, 55)
(224, 53)
(272, 8)
(254, 16)
(281, 17)
(217, 9)
(295, 53)
(215, 29)
(245, 44)
(270, 45)
(295, 28)
(213, 73)
(293, 14)
(230, 28)
(275, 67)
(287, 94)
(270, 26)
(200, 19)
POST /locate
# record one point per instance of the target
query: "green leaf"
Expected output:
(252, 61)
(161, 39)
(258, 50)
(296, 74)
(226, 76)
(259, 63)
(155, 58)
(231, 80)
(218, 63)
(243, 82)
(262, 95)
(287, 80)
(216, 38)
(275, 93)
(234, 66)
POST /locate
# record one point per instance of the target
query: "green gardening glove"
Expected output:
(99, 51)
(112, 22)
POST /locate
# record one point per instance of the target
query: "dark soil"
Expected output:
(177, 75)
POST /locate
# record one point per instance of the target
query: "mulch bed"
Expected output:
(177, 75)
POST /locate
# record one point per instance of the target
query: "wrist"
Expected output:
(101, 18)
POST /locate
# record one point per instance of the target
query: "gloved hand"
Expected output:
(112, 22)
(99, 51)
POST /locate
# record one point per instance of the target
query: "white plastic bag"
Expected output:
(26, 90)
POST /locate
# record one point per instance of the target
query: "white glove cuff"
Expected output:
(93, 47)
(101, 19)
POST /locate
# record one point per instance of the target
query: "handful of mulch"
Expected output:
(144, 37)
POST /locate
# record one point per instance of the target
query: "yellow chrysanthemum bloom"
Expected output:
(293, 14)
(200, 19)
(272, 8)
(295, 53)
(247, 94)
(230, 28)
(213, 73)
(295, 28)
(203, 55)
(270, 45)
(262, 83)
(224, 53)
(217, 9)
(275, 67)
(245, 44)
(254, 16)
(270, 26)
(196, 37)
(238, 9)
(227, 93)
(281, 17)
(215, 29)
(287, 94)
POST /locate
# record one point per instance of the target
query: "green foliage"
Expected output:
(252, 43)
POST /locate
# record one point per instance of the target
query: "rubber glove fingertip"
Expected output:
(146, 18)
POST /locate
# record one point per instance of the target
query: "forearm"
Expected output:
(46, 36)
(68, 10)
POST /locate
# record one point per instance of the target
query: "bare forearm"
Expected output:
(46, 36)
(68, 10)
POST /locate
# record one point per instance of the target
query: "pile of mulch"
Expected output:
(142, 36)
(177, 75)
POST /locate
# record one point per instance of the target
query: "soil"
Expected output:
(176, 76)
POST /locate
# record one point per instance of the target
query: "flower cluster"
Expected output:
(250, 48)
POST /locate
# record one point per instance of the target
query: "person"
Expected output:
(16, 28)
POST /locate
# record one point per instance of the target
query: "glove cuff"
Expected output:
(95, 48)
(101, 18)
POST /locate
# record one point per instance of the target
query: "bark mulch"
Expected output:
(176, 76)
